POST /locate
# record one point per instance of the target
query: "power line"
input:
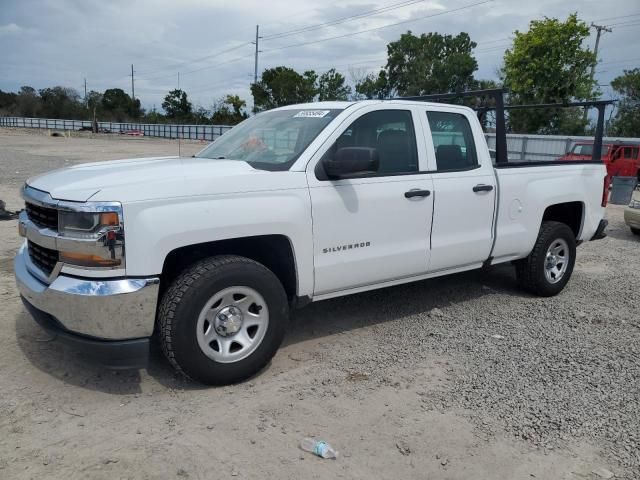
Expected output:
(496, 48)
(384, 60)
(198, 60)
(340, 20)
(616, 18)
(297, 13)
(621, 61)
(313, 27)
(465, 7)
(202, 68)
(625, 25)
(633, 22)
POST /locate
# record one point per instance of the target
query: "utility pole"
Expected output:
(178, 80)
(255, 66)
(599, 30)
(85, 90)
(133, 90)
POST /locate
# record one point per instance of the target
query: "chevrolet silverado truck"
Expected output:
(210, 253)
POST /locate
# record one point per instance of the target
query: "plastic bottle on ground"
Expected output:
(318, 447)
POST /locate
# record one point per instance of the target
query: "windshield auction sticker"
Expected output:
(311, 114)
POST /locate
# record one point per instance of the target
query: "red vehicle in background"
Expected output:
(621, 158)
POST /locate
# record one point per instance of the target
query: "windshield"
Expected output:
(271, 140)
(587, 149)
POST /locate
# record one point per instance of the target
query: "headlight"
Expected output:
(85, 224)
(635, 204)
(91, 239)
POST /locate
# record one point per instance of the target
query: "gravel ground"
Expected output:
(453, 378)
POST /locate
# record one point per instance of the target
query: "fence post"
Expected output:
(523, 152)
(596, 154)
(568, 145)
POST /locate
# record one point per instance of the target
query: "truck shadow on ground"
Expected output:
(314, 321)
(622, 232)
(351, 312)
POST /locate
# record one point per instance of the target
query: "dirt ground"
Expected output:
(433, 380)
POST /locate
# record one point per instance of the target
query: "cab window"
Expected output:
(453, 141)
(391, 133)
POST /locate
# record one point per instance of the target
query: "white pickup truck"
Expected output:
(298, 204)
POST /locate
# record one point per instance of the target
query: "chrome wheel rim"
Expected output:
(556, 260)
(232, 324)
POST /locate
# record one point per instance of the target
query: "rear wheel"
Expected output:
(635, 231)
(222, 319)
(549, 266)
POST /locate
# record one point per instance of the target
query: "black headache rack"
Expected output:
(497, 94)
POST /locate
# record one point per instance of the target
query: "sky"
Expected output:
(204, 46)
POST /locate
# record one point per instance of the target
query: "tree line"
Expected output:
(548, 63)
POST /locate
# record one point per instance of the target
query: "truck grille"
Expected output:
(42, 216)
(43, 258)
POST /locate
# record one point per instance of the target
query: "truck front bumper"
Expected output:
(110, 320)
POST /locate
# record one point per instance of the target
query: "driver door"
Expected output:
(370, 229)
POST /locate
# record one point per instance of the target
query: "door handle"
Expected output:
(417, 193)
(482, 188)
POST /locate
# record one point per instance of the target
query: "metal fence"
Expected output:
(520, 147)
(531, 148)
(162, 130)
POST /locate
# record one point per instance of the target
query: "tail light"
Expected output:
(605, 190)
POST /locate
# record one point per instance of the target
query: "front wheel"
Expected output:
(549, 266)
(222, 319)
(635, 231)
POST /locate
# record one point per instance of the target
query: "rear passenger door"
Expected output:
(464, 188)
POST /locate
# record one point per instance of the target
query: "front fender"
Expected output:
(155, 228)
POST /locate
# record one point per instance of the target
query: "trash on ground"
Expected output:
(602, 473)
(319, 448)
(403, 448)
(4, 214)
(357, 376)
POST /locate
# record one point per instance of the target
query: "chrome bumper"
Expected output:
(104, 309)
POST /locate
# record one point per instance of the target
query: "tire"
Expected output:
(635, 231)
(532, 272)
(189, 317)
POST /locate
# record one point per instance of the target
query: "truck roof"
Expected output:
(341, 105)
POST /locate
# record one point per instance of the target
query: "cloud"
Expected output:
(61, 42)
(10, 29)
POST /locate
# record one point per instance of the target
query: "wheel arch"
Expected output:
(569, 213)
(275, 252)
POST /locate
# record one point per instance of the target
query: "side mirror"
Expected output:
(352, 161)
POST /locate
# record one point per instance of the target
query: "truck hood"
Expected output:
(157, 177)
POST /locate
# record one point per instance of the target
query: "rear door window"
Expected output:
(453, 141)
